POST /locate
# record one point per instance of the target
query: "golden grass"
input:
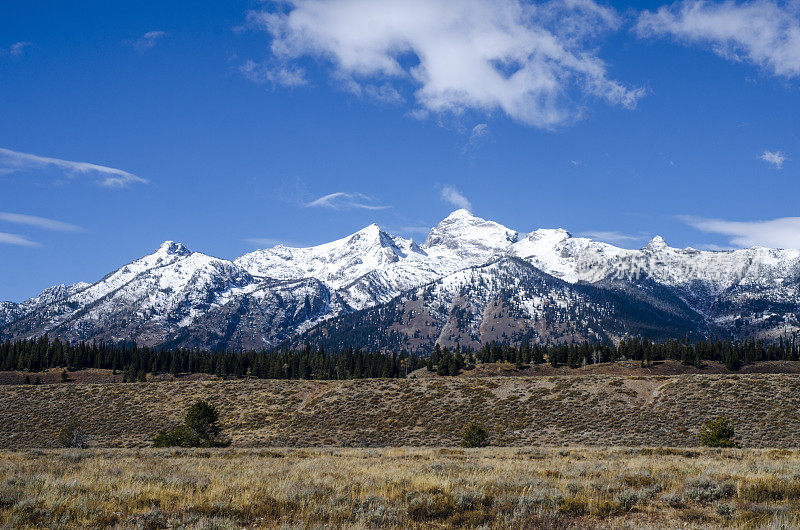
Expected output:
(401, 488)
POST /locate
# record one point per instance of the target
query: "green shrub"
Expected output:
(201, 428)
(475, 436)
(72, 435)
(717, 433)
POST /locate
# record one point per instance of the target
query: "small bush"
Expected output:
(432, 505)
(717, 433)
(724, 510)
(475, 436)
(626, 500)
(72, 435)
(573, 506)
(704, 490)
(606, 508)
(673, 500)
(181, 436)
(201, 428)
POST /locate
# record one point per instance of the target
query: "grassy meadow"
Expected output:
(575, 487)
(594, 451)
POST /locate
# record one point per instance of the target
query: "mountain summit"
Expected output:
(472, 281)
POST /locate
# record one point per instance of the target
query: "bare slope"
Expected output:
(595, 410)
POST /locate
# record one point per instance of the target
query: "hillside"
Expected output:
(553, 410)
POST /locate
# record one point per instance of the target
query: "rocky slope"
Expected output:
(472, 281)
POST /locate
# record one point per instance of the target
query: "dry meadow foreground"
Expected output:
(401, 487)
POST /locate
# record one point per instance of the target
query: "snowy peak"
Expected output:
(657, 243)
(461, 213)
(465, 232)
(171, 248)
(338, 263)
(371, 237)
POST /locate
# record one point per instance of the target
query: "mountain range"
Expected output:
(471, 282)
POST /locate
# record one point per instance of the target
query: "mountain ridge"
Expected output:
(269, 296)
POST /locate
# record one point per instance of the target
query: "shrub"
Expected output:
(626, 499)
(717, 433)
(724, 510)
(200, 428)
(179, 437)
(475, 436)
(573, 506)
(203, 419)
(72, 435)
(704, 490)
(673, 500)
(431, 505)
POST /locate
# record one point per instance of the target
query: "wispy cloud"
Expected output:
(774, 158)
(783, 232)
(613, 237)
(526, 60)
(11, 161)
(16, 239)
(762, 32)
(39, 222)
(479, 134)
(454, 197)
(17, 49)
(287, 76)
(342, 200)
(148, 40)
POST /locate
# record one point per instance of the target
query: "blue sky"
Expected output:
(231, 126)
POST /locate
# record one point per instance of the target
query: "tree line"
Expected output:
(134, 362)
(308, 362)
(734, 354)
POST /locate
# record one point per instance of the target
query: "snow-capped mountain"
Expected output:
(472, 280)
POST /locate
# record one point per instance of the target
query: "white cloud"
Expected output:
(39, 222)
(613, 237)
(775, 158)
(477, 136)
(148, 40)
(763, 32)
(783, 232)
(109, 177)
(525, 60)
(286, 76)
(452, 196)
(17, 49)
(341, 200)
(15, 239)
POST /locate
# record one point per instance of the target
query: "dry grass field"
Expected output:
(574, 487)
(597, 410)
